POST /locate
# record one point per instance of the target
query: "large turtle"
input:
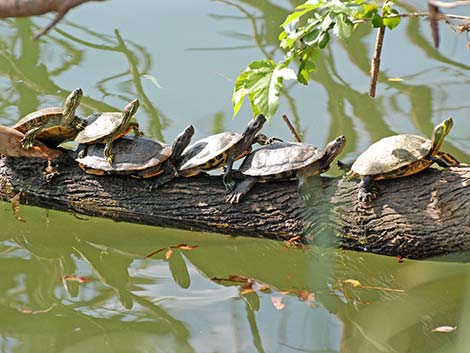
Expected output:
(137, 156)
(398, 156)
(107, 127)
(221, 149)
(54, 125)
(283, 161)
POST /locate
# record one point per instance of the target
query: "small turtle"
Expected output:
(398, 156)
(284, 160)
(222, 149)
(137, 156)
(107, 127)
(52, 126)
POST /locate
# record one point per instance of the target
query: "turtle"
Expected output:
(284, 161)
(398, 156)
(108, 126)
(53, 125)
(221, 149)
(137, 156)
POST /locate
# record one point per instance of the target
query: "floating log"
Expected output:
(423, 215)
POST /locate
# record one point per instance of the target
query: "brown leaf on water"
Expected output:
(400, 259)
(237, 278)
(444, 329)
(168, 254)
(248, 287)
(294, 242)
(15, 207)
(79, 279)
(278, 303)
(184, 247)
(352, 282)
(155, 252)
(308, 297)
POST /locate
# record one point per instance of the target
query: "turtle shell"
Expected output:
(53, 133)
(280, 157)
(99, 125)
(131, 153)
(391, 153)
(203, 150)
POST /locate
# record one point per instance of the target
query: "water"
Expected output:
(181, 59)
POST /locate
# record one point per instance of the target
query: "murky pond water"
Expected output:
(74, 285)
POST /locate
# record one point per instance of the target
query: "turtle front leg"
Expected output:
(27, 141)
(108, 150)
(444, 160)
(228, 175)
(135, 127)
(240, 190)
(367, 190)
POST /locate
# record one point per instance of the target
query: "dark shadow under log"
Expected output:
(423, 215)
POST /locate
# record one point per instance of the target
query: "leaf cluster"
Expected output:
(305, 32)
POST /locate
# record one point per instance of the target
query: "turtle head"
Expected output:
(70, 106)
(181, 142)
(252, 129)
(334, 148)
(440, 131)
(129, 111)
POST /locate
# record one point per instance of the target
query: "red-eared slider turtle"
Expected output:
(398, 156)
(222, 149)
(52, 126)
(137, 156)
(284, 160)
(107, 127)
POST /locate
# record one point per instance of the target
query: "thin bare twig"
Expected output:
(433, 21)
(375, 64)
(291, 128)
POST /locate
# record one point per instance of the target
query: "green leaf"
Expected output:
(179, 270)
(300, 11)
(377, 21)
(262, 82)
(343, 27)
(308, 64)
(392, 22)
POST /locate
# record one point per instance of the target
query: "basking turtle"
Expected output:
(398, 156)
(107, 127)
(137, 156)
(222, 149)
(284, 160)
(52, 126)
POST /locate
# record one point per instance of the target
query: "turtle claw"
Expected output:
(233, 198)
(26, 144)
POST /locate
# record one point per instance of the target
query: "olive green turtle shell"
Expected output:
(280, 157)
(207, 148)
(99, 125)
(391, 153)
(130, 153)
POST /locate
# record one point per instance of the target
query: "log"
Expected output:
(423, 215)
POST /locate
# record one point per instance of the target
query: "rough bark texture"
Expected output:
(23, 8)
(419, 216)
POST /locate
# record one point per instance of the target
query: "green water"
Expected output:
(181, 59)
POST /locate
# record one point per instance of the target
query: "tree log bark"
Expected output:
(423, 215)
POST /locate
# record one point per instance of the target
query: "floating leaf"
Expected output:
(248, 287)
(308, 297)
(155, 252)
(278, 303)
(75, 278)
(444, 329)
(178, 269)
(400, 259)
(184, 247)
(168, 254)
(352, 282)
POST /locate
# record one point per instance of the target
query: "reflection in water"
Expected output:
(22, 64)
(281, 299)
